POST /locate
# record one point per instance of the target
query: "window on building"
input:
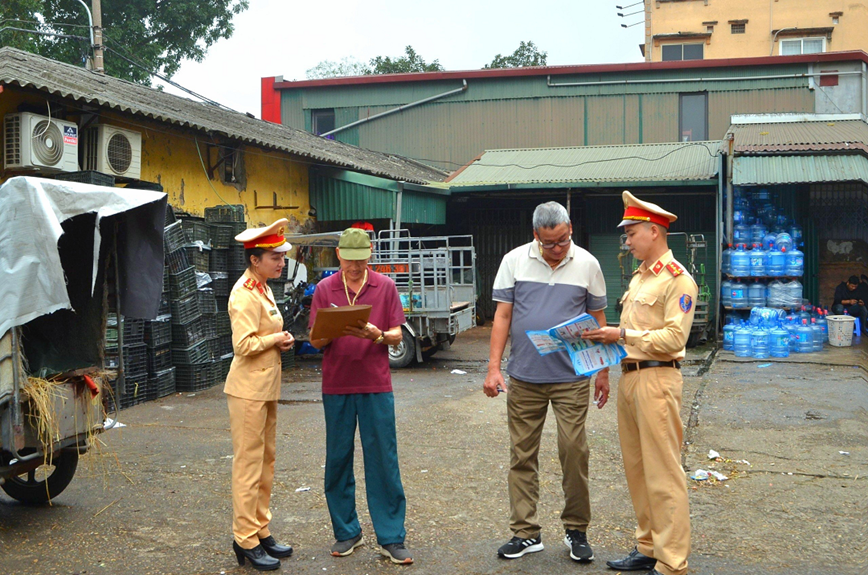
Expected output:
(672, 52)
(322, 121)
(802, 46)
(693, 117)
(737, 28)
(232, 168)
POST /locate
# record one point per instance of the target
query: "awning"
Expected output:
(774, 170)
(669, 164)
(341, 195)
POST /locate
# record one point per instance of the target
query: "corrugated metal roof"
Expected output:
(681, 161)
(800, 136)
(773, 170)
(856, 55)
(31, 71)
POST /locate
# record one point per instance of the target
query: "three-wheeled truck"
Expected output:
(69, 251)
(436, 280)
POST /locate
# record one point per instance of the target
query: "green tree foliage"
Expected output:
(409, 62)
(156, 34)
(17, 14)
(346, 67)
(527, 54)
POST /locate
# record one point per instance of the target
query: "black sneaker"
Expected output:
(518, 547)
(577, 541)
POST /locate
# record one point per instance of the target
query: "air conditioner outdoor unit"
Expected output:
(113, 150)
(31, 141)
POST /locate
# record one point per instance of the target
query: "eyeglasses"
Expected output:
(562, 244)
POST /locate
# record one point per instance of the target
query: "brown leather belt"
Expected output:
(634, 365)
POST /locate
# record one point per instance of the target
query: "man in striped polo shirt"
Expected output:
(539, 285)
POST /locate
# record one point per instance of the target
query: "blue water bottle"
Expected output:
(756, 295)
(759, 342)
(729, 334)
(824, 325)
(739, 295)
(817, 335)
(741, 341)
(795, 263)
(725, 259)
(796, 232)
(779, 341)
(740, 262)
(806, 338)
(777, 262)
(726, 293)
(757, 258)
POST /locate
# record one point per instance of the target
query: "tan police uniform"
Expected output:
(657, 315)
(252, 389)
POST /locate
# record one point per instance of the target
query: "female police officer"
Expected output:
(253, 388)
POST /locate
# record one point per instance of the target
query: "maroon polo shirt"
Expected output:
(351, 364)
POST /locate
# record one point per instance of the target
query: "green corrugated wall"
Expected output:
(696, 216)
(338, 200)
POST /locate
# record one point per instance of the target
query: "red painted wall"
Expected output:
(270, 101)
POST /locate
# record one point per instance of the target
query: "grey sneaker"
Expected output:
(346, 547)
(397, 553)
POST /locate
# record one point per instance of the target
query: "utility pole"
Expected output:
(98, 49)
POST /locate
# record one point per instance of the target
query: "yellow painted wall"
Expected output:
(169, 157)
(762, 15)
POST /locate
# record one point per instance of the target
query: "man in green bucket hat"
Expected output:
(357, 388)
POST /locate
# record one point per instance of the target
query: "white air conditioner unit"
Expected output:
(31, 141)
(113, 150)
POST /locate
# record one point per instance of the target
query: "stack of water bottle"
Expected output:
(775, 257)
(770, 333)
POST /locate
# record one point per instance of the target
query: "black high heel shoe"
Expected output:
(260, 560)
(274, 548)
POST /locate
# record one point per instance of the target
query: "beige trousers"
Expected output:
(649, 426)
(527, 406)
(254, 428)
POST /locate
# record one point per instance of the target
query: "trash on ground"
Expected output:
(762, 365)
(459, 372)
(844, 452)
(745, 461)
(702, 475)
(109, 422)
(712, 454)
(302, 489)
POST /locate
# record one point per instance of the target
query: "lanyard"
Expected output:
(347, 290)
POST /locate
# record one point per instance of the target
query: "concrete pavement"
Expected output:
(154, 499)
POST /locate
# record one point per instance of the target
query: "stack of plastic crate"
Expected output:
(226, 266)
(161, 374)
(134, 359)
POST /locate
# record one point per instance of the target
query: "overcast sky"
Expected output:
(286, 38)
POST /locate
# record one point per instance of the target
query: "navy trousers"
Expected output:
(375, 414)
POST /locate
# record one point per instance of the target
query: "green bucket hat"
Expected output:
(355, 244)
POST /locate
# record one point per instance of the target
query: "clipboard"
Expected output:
(331, 321)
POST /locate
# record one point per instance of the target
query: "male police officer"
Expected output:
(655, 322)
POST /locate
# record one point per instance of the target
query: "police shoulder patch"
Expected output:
(686, 303)
(675, 269)
(250, 284)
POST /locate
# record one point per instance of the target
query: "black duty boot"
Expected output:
(274, 548)
(635, 561)
(260, 560)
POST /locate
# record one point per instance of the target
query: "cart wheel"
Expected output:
(480, 319)
(46, 481)
(693, 339)
(402, 355)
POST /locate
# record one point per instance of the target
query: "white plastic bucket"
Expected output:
(840, 330)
